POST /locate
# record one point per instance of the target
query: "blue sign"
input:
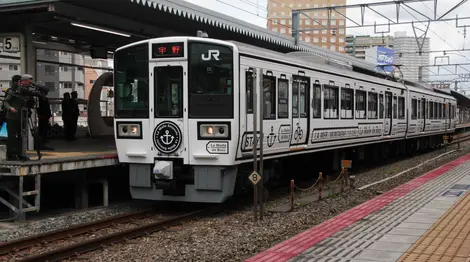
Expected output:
(385, 57)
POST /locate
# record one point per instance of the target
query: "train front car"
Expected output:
(176, 112)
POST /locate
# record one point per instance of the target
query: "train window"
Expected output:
(295, 99)
(249, 92)
(269, 97)
(401, 107)
(394, 107)
(283, 100)
(316, 100)
(418, 109)
(347, 103)
(423, 108)
(445, 110)
(168, 91)
(388, 105)
(442, 111)
(331, 101)
(436, 116)
(372, 105)
(381, 106)
(414, 109)
(360, 104)
(304, 95)
(431, 110)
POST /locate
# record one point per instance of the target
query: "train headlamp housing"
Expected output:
(214, 131)
(129, 130)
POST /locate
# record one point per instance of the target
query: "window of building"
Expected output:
(372, 105)
(307, 22)
(315, 5)
(323, 14)
(290, 21)
(65, 84)
(291, 5)
(275, 29)
(315, 14)
(51, 86)
(341, 31)
(347, 102)
(249, 92)
(49, 53)
(333, 48)
(333, 39)
(290, 30)
(414, 109)
(269, 92)
(299, 5)
(323, 31)
(360, 104)
(283, 13)
(316, 100)
(13, 67)
(330, 102)
(283, 100)
(64, 68)
(307, 5)
(316, 32)
(283, 30)
(333, 22)
(92, 81)
(307, 39)
(315, 39)
(323, 39)
(341, 39)
(323, 22)
(49, 70)
(324, 46)
(341, 22)
(341, 48)
(283, 21)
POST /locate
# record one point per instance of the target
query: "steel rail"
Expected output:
(84, 228)
(117, 237)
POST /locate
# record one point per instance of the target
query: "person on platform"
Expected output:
(75, 115)
(13, 85)
(17, 97)
(67, 115)
(44, 114)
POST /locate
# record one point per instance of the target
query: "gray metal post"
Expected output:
(255, 142)
(295, 27)
(261, 135)
(30, 67)
(74, 88)
(21, 215)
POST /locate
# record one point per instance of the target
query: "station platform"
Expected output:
(426, 219)
(80, 154)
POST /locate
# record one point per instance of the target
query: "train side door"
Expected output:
(300, 110)
(448, 111)
(388, 114)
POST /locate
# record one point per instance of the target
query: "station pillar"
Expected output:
(29, 66)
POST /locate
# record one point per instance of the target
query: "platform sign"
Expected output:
(10, 44)
(346, 163)
(254, 177)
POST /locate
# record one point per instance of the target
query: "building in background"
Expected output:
(408, 57)
(381, 56)
(8, 68)
(280, 20)
(91, 75)
(357, 45)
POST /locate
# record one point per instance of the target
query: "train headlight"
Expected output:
(215, 130)
(129, 130)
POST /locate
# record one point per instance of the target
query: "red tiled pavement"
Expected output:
(305, 240)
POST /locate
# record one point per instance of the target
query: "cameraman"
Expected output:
(17, 98)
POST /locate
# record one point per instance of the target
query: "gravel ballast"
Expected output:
(234, 236)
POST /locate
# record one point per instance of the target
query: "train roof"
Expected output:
(313, 61)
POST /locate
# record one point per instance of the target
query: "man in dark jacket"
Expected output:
(44, 114)
(75, 115)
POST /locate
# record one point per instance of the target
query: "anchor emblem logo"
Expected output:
(271, 137)
(167, 137)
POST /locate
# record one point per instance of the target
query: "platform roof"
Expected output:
(142, 19)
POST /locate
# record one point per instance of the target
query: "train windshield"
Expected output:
(210, 81)
(131, 82)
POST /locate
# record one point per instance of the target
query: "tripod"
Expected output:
(32, 127)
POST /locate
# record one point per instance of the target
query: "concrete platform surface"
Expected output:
(408, 223)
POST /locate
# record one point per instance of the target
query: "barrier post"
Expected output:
(292, 195)
(320, 186)
(342, 180)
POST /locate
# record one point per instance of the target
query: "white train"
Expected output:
(184, 113)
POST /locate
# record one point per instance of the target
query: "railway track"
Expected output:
(126, 227)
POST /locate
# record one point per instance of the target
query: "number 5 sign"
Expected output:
(11, 44)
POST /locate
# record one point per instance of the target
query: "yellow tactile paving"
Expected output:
(447, 240)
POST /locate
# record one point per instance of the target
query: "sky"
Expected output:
(443, 35)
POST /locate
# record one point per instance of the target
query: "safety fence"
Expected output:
(324, 186)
